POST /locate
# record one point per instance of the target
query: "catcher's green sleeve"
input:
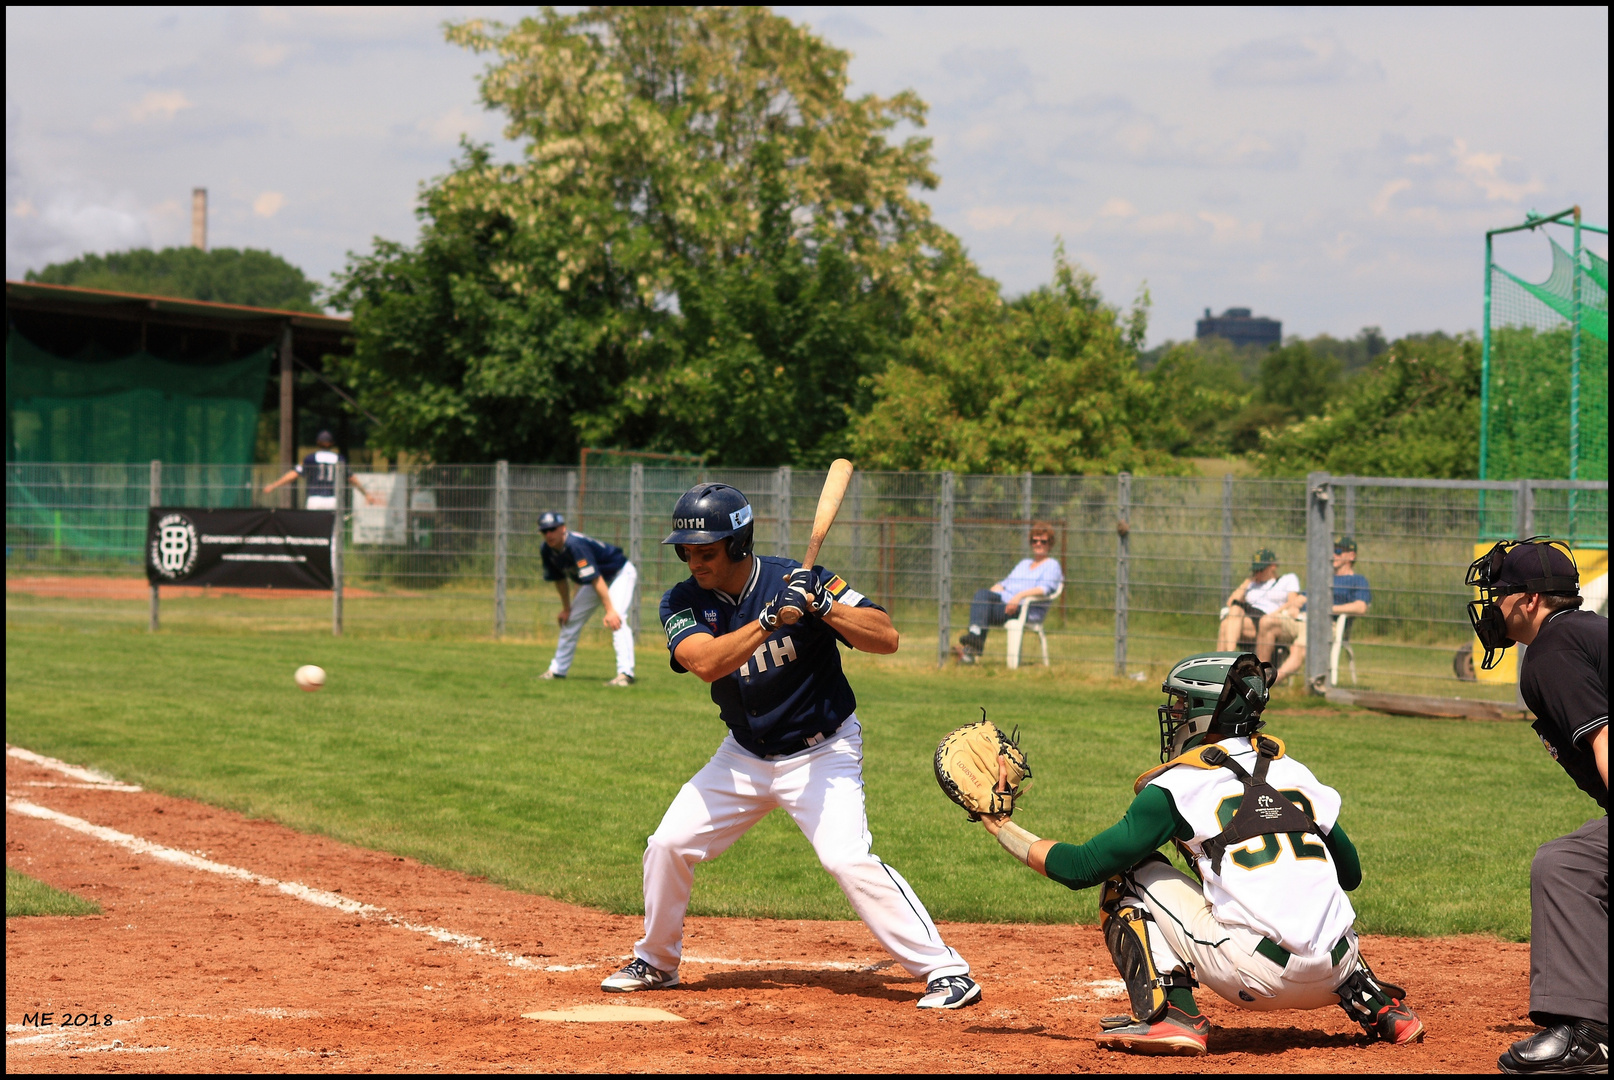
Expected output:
(1150, 822)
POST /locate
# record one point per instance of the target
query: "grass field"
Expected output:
(452, 752)
(25, 896)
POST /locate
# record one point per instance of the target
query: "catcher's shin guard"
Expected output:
(1126, 933)
(1380, 1007)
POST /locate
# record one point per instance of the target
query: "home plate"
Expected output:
(606, 1014)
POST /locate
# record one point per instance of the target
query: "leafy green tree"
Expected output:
(1047, 383)
(223, 275)
(1202, 384)
(707, 246)
(1414, 412)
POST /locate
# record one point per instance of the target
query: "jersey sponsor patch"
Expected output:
(711, 616)
(678, 623)
(582, 564)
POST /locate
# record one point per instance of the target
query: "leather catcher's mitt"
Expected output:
(967, 768)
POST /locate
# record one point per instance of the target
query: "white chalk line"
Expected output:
(321, 897)
(92, 778)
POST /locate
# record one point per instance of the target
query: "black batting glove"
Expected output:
(805, 587)
(769, 618)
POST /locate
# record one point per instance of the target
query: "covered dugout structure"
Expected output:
(99, 384)
(110, 377)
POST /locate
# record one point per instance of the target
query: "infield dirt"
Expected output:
(204, 973)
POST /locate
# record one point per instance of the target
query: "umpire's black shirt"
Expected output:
(1565, 683)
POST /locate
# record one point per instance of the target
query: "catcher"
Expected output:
(1267, 925)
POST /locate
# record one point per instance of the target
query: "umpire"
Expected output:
(1530, 595)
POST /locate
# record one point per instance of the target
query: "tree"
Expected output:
(223, 275)
(1047, 383)
(707, 246)
(1414, 412)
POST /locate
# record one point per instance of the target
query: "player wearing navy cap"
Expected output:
(319, 468)
(794, 741)
(604, 578)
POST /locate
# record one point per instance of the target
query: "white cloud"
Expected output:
(447, 127)
(1381, 201)
(159, 105)
(1294, 60)
(1484, 170)
(1118, 208)
(268, 204)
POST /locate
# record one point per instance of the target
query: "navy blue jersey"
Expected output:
(319, 470)
(792, 688)
(582, 560)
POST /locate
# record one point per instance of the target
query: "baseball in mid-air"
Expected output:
(309, 677)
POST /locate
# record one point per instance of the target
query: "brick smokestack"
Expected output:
(199, 218)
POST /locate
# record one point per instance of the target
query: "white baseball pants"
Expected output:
(584, 604)
(821, 788)
(1224, 957)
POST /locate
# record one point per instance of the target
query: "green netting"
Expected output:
(1538, 423)
(135, 408)
(117, 411)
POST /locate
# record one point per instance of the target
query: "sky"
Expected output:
(1331, 168)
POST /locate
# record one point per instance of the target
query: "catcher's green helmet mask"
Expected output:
(1222, 692)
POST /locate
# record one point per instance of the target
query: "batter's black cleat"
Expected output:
(1573, 1046)
(639, 976)
(950, 992)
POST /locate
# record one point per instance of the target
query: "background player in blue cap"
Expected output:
(319, 468)
(604, 578)
(794, 742)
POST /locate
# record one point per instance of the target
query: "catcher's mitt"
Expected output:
(967, 768)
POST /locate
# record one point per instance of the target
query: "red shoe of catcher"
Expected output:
(1175, 1032)
(1396, 1024)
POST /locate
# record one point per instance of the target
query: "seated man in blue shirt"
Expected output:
(1037, 576)
(1351, 597)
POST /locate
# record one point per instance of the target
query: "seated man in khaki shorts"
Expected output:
(1262, 593)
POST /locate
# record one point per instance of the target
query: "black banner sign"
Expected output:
(253, 549)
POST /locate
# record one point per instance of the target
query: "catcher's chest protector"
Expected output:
(1264, 809)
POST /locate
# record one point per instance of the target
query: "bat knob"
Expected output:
(789, 616)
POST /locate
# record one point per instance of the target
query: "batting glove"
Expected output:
(806, 587)
(769, 618)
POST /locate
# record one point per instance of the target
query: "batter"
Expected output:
(794, 742)
(1267, 925)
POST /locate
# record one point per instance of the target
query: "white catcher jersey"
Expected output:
(1282, 885)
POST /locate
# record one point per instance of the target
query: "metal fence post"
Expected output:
(781, 503)
(944, 568)
(571, 497)
(1350, 507)
(1025, 512)
(1319, 577)
(1524, 516)
(1227, 538)
(501, 534)
(635, 535)
(155, 499)
(855, 497)
(336, 551)
(1123, 554)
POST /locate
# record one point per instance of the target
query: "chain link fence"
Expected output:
(1148, 561)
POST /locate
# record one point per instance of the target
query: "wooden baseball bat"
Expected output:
(829, 504)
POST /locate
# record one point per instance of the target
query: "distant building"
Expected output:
(1238, 326)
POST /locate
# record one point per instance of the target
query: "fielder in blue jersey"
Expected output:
(604, 578)
(794, 741)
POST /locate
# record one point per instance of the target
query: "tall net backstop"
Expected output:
(1544, 398)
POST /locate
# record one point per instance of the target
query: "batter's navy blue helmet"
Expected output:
(550, 520)
(707, 513)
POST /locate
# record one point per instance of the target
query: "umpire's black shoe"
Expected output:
(1574, 1046)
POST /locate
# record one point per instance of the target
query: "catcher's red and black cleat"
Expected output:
(1175, 1032)
(1395, 1024)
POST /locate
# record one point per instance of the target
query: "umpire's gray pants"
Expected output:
(1569, 925)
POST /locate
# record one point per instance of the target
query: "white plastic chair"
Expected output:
(1015, 628)
(1341, 641)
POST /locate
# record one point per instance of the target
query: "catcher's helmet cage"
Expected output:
(1516, 566)
(1223, 692)
(707, 513)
